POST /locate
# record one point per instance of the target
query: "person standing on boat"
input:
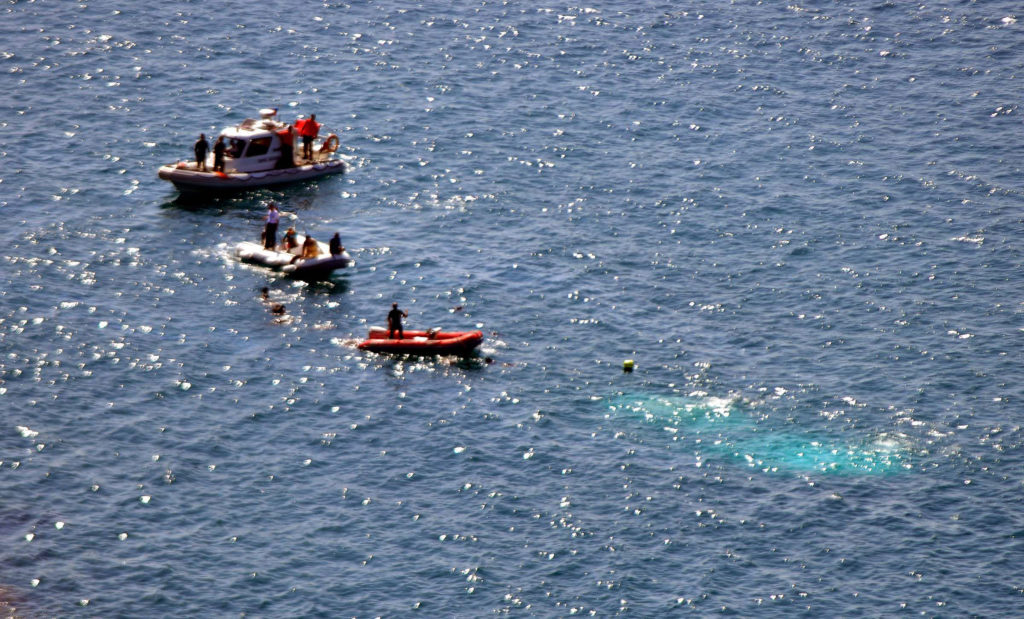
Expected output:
(308, 129)
(395, 317)
(270, 232)
(201, 148)
(218, 154)
(287, 159)
(335, 245)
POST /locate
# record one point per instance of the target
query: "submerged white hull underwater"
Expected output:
(291, 263)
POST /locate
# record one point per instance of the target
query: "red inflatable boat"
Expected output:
(432, 342)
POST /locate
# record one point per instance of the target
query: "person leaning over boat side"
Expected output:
(309, 129)
(335, 244)
(395, 317)
(201, 148)
(218, 154)
(270, 232)
(288, 242)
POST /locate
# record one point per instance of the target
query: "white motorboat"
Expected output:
(291, 262)
(254, 158)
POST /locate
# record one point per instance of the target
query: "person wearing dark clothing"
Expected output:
(395, 317)
(270, 232)
(218, 154)
(287, 159)
(335, 245)
(201, 148)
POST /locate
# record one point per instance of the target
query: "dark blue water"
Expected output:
(802, 222)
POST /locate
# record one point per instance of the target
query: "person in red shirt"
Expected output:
(308, 129)
(287, 159)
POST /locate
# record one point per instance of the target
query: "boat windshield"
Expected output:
(258, 146)
(235, 148)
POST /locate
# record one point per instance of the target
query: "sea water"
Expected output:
(802, 223)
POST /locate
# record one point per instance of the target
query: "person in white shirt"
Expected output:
(270, 232)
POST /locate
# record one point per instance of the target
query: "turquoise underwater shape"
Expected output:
(726, 429)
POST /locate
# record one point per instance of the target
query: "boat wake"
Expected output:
(727, 429)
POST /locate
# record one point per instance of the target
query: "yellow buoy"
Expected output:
(627, 365)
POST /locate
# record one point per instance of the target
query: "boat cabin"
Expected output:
(255, 144)
(258, 152)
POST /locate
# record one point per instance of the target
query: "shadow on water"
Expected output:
(197, 203)
(211, 205)
(297, 197)
(724, 428)
(292, 196)
(472, 362)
